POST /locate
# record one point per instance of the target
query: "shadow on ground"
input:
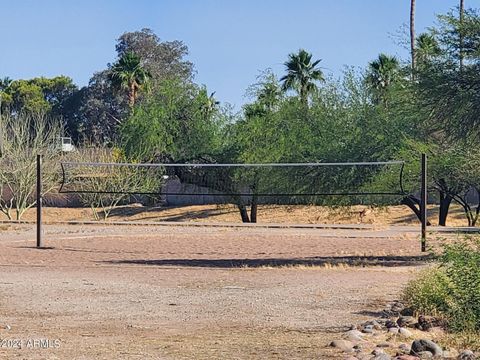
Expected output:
(279, 262)
(432, 216)
(161, 213)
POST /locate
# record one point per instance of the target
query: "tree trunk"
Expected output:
(462, 12)
(243, 213)
(253, 209)
(445, 201)
(1, 135)
(412, 203)
(412, 36)
(132, 95)
(477, 210)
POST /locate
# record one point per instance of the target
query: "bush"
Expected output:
(452, 289)
(461, 262)
(430, 292)
(103, 187)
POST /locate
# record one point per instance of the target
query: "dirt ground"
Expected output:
(292, 214)
(189, 292)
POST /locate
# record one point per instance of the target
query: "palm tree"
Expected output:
(382, 73)
(426, 48)
(129, 74)
(5, 83)
(209, 103)
(412, 35)
(462, 13)
(302, 74)
(270, 94)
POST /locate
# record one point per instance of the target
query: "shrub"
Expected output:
(103, 187)
(452, 289)
(430, 292)
(461, 262)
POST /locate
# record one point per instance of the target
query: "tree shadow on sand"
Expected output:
(360, 261)
(162, 213)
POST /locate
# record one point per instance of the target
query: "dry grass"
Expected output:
(283, 214)
(466, 340)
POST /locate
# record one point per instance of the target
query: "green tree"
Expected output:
(96, 112)
(382, 74)
(5, 83)
(302, 74)
(450, 94)
(427, 49)
(5, 96)
(162, 59)
(176, 122)
(48, 95)
(128, 74)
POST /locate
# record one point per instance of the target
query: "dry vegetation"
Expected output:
(388, 215)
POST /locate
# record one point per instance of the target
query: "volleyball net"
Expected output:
(275, 183)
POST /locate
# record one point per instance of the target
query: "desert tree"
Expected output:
(22, 138)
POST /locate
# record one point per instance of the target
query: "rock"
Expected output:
(374, 324)
(384, 345)
(422, 345)
(404, 348)
(406, 321)
(344, 345)
(426, 323)
(425, 355)
(8, 327)
(405, 333)
(364, 356)
(466, 355)
(397, 306)
(351, 358)
(423, 323)
(394, 309)
(382, 357)
(358, 347)
(368, 329)
(390, 324)
(354, 332)
(406, 357)
(354, 335)
(407, 312)
(450, 354)
(354, 338)
(393, 330)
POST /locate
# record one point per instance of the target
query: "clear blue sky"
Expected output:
(230, 41)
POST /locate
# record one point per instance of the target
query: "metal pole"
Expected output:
(423, 202)
(39, 201)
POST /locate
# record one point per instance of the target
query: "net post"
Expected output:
(39, 201)
(423, 201)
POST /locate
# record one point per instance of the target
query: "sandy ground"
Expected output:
(159, 292)
(293, 214)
